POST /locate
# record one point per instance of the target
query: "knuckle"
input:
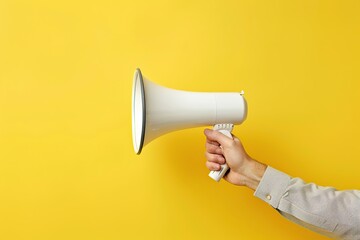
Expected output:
(233, 144)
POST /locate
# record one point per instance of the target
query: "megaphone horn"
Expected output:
(157, 110)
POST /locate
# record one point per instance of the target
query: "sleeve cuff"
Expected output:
(272, 186)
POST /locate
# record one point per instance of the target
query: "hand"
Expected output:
(244, 171)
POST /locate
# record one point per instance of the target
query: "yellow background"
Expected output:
(67, 166)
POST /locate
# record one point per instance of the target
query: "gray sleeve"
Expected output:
(322, 209)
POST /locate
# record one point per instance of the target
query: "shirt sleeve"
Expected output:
(324, 210)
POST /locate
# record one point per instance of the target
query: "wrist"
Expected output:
(253, 174)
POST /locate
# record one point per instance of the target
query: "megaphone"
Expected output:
(157, 110)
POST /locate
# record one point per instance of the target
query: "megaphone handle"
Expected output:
(225, 129)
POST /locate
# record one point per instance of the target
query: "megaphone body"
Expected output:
(157, 110)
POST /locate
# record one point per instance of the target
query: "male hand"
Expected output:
(244, 171)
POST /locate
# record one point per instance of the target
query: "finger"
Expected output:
(216, 136)
(210, 148)
(213, 166)
(215, 158)
(212, 142)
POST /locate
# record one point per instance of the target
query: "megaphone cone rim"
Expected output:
(138, 145)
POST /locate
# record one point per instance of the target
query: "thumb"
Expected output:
(216, 136)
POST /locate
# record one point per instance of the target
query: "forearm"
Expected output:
(322, 209)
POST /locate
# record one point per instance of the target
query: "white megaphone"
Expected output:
(157, 110)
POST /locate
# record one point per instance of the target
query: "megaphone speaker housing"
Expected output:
(157, 110)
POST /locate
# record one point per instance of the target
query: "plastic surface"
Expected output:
(158, 110)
